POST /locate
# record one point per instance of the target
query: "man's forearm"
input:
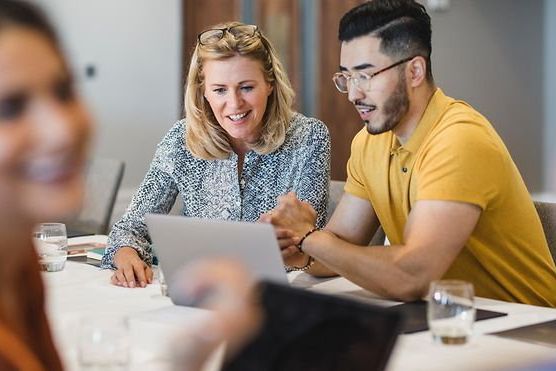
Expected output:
(377, 269)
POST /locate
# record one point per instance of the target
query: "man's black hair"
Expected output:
(403, 26)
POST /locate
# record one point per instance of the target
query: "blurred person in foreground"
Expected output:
(239, 147)
(44, 131)
(427, 168)
(44, 135)
(227, 289)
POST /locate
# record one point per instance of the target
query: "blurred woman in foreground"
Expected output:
(44, 134)
(44, 131)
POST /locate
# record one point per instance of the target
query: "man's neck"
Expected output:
(418, 103)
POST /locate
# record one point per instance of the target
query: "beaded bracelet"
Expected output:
(310, 262)
(299, 247)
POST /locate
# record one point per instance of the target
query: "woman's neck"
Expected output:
(240, 148)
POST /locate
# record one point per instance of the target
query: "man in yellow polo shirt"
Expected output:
(429, 169)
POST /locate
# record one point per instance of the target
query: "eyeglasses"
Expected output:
(214, 35)
(360, 80)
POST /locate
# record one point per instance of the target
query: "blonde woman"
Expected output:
(238, 149)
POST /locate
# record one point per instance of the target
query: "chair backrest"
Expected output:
(335, 193)
(103, 178)
(547, 214)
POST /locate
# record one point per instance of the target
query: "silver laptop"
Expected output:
(178, 240)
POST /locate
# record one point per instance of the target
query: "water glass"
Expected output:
(104, 343)
(51, 243)
(451, 311)
(162, 281)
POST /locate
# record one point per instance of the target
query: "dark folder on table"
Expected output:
(541, 333)
(304, 330)
(415, 314)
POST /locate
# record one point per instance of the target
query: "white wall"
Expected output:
(490, 53)
(550, 96)
(135, 46)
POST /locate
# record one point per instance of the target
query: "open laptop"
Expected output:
(178, 240)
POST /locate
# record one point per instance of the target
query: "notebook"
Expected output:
(304, 330)
(87, 249)
(178, 240)
(415, 314)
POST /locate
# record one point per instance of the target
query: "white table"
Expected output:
(82, 289)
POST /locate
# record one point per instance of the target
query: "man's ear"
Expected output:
(417, 68)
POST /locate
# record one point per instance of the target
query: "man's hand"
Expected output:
(291, 218)
(294, 215)
(131, 270)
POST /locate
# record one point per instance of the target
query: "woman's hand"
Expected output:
(131, 271)
(286, 238)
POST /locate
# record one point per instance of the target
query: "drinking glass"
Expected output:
(51, 242)
(162, 281)
(104, 343)
(451, 311)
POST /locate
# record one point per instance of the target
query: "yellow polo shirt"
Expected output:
(456, 155)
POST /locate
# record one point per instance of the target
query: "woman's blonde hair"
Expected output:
(204, 137)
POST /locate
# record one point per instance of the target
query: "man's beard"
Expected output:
(395, 107)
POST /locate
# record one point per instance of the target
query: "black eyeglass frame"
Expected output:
(223, 32)
(369, 76)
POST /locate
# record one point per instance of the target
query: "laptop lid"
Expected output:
(178, 240)
(304, 330)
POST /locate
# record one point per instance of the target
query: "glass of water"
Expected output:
(451, 311)
(162, 281)
(51, 242)
(104, 343)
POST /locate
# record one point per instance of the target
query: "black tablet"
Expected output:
(304, 330)
(415, 315)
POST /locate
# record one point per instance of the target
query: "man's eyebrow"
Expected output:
(359, 67)
(363, 66)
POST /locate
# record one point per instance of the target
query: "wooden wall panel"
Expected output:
(333, 107)
(279, 20)
(200, 14)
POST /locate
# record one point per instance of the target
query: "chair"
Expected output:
(335, 193)
(103, 178)
(547, 214)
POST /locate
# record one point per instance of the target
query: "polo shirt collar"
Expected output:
(431, 116)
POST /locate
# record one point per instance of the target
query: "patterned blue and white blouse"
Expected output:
(212, 188)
